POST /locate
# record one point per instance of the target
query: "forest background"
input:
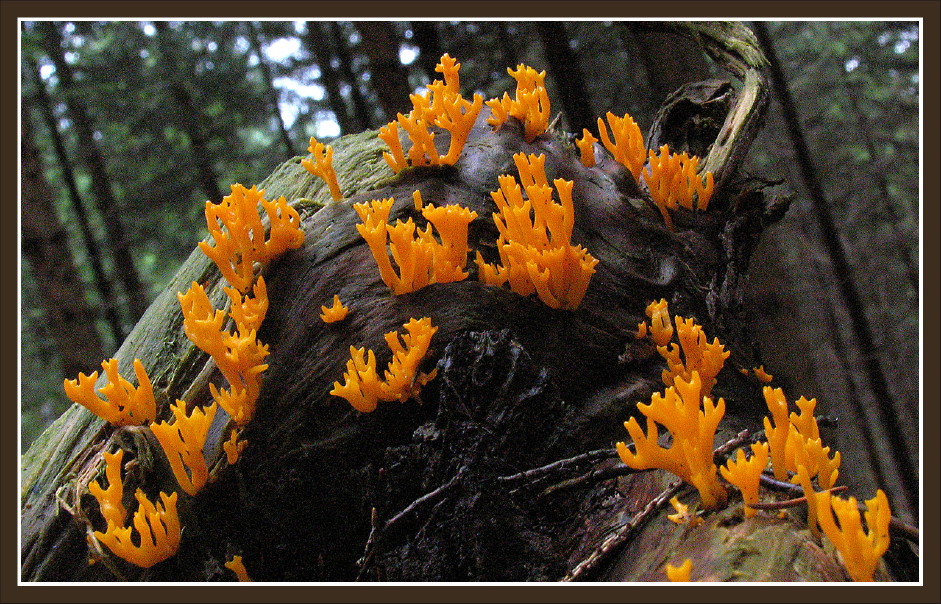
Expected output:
(128, 127)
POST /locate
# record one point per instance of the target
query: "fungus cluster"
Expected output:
(322, 165)
(698, 354)
(363, 388)
(672, 181)
(239, 235)
(692, 419)
(123, 403)
(183, 442)
(240, 242)
(441, 105)
(793, 446)
(335, 312)
(628, 144)
(681, 573)
(536, 253)
(420, 257)
(157, 524)
(530, 105)
(860, 548)
(239, 355)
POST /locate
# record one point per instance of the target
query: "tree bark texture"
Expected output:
(465, 482)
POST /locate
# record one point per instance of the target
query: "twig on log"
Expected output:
(621, 535)
(378, 529)
(790, 503)
(595, 455)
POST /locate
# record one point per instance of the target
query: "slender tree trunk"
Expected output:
(900, 465)
(389, 78)
(318, 43)
(361, 110)
(190, 118)
(100, 278)
(508, 47)
(69, 319)
(903, 243)
(563, 65)
(253, 38)
(108, 207)
(429, 47)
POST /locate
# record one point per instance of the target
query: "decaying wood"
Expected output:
(446, 488)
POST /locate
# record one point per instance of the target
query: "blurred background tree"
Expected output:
(133, 125)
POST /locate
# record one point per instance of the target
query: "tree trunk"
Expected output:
(101, 280)
(389, 78)
(253, 38)
(429, 47)
(508, 47)
(69, 319)
(319, 45)
(463, 484)
(563, 65)
(191, 120)
(900, 465)
(108, 207)
(361, 110)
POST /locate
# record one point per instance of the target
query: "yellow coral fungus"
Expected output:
(698, 355)
(586, 145)
(777, 432)
(810, 453)
(239, 235)
(420, 258)
(536, 255)
(442, 106)
(628, 145)
(746, 474)
(233, 447)
(183, 441)
(860, 549)
(681, 573)
(237, 567)
(795, 440)
(335, 312)
(530, 106)
(451, 222)
(158, 525)
(683, 515)
(692, 420)
(239, 356)
(123, 405)
(762, 375)
(322, 166)
(362, 387)
(248, 312)
(110, 499)
(661, 328)
(672, 180)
